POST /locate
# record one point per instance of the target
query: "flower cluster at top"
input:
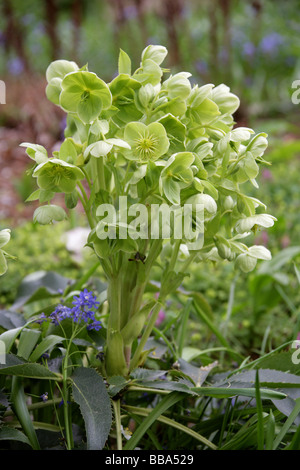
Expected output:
(83, 311)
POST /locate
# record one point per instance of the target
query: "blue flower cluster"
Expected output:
(83, 311)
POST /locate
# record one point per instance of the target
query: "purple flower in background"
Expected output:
(271, 42)
(15, 66)
(267, 175)
(28, 19)
(130, 12)
(201, 66)
(161, 317)
(285, 241)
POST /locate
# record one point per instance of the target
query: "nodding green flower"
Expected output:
(57, 176)
(148, 143)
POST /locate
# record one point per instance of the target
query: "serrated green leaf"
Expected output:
(20, 368)
(91, 395)
(10, 434)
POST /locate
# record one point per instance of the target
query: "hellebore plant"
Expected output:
(153, 142)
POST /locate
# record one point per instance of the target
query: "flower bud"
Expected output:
(223, 247)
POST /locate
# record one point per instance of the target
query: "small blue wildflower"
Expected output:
(85, 300)
(96, 325)
(42, 318)
(81, 312)
(44, 397)
(62, 402)
(60, 313)
(100, 356)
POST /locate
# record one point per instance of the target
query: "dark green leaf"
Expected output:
(11, 434)
(90, 393)
(21, 368)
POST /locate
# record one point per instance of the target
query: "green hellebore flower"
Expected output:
(148, 143)
(55, 73)
(260, 220)
(86, 94)
(247, 261)
(57, 176)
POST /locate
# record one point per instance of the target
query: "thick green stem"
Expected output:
(128, 274)
(115, 363)
(114, 300)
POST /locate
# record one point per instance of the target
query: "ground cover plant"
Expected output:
(103, 360)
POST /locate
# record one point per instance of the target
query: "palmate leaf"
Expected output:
(90, 393)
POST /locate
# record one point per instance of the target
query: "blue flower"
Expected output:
(271, 42)
(44, 397)
(60, 313)
(85, 299)
(82, 311)
(96, 325)
(249, 49)
(15, 66)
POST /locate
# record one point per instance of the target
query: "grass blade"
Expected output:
(289, 422)
(163, 405)
(260, 417)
